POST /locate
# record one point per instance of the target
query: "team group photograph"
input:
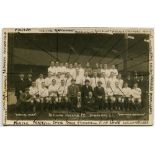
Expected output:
(78, 82)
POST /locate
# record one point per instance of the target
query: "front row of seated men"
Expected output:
(75, 98)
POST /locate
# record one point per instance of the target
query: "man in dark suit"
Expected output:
(129, 80)
(86, 89)
(28, 81)
(73, 90)
(19, 89)
(85, 92)
(25, 99)
(19, 85)
(90, 103)
(99, 94)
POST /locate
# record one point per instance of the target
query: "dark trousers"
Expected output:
(72, 105)
(127, 103)
(100, 103)
(23, 107)
(136, 106)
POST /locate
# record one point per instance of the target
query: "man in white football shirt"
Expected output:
(112, 80)
(81, 70)
(86, 77)
(39, 81)
(53, 94)
(75, 65)
(109, 97)
(119, 80)
(94, 80)
(48, 79)
(34, 92)
(62, 94)
(68, 79)
(44, 97)
(51, 68)
(66, 68)
(62, 70)
(105, 70)
(104, 80)
(88, 69)
(126, 99)
(114, 70)
(72, 71)
(57, 67)
(78, 78)
(118, 93)
(58, 78)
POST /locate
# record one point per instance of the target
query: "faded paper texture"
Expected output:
(78, 76)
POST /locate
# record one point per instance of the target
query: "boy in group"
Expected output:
(73, 90)
(99, 94)
(44, 97)
(39, 81)
(126, 99)
(53, 94)
(34, 92)
(62, 95)
(136, 97)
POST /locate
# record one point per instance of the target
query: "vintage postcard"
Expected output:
(78, 76)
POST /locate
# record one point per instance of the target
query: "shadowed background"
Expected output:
(32, 52)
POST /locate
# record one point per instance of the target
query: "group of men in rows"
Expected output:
(76, 88)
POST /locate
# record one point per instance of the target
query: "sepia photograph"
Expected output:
(78, 76)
